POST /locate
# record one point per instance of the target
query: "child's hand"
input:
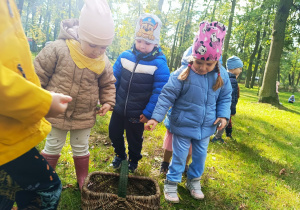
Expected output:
(59, 104)
(104, 108)
(223, 122)
(143, 119)
(150, 123)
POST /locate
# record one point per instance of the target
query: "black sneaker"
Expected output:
(132, 166)
(228, 135)
(164, 167)
(215, 140)
(186, 170)
(116, 163)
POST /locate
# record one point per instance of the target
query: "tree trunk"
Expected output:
(26, 20)
(204, 17)
(160, 4)
(213, 13)
(20, 6)
(268, 91)
(173, 54)
(252, 57)
(257, 61)
(227, 37)
(173, 48)
(70, 9)
(298, 80)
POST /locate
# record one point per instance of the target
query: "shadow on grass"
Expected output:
(287, 109)
(267, 166)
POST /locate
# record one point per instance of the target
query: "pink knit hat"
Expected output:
(96, 24)
(209, 41)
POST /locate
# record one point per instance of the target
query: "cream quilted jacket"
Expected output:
(58, 73)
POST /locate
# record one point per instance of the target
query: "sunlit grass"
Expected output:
(243, 173)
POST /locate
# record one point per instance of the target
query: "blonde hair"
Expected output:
(219, 82)
(185, 73)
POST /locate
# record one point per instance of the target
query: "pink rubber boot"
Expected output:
(82, 167)
(51, 159)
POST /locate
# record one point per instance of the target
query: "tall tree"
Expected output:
(252, 57)
(20, 6)
(267, 93)
(257, 61)
(228, 34)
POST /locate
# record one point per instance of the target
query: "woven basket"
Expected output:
(111, 191)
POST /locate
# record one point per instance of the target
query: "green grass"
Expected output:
(244, 173)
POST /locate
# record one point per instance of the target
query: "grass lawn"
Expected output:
(258, 169)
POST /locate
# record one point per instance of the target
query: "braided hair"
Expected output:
(219, 82)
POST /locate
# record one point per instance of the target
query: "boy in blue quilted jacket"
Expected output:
(234, 68)
(141, 73)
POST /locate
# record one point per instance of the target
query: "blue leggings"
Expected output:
(30, 182)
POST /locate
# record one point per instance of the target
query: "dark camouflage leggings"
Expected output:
(30, 182)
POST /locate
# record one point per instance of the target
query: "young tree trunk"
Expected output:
(26, 20)
(298, 80)
(206, 11)
(20, 6)
(70, 9)
(252, 57)
(257, 61)
(160, 4)
(228, 34)
(268, 91)
(173, 48)
(213, 13)
(173, 54)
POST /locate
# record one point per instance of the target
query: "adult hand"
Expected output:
(59, 104)
(151, 124)
(223, 122)
(104, 108)
(143, 119)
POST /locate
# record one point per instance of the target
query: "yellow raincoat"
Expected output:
(23, 104)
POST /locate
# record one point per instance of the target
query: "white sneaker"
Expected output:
(170, 191)
(193, 185)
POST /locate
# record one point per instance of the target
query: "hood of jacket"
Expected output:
(69, 29)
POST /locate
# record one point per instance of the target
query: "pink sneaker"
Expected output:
(170, 191)
(193, 185)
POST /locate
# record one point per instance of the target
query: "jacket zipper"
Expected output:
(136, 63)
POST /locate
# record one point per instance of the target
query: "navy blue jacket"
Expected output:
(234, 95)
(140, 79)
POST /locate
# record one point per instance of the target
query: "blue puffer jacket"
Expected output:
(195, 105)
(184, 64)
(234, 95)
(140, 79)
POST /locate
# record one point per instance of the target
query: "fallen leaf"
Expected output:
(242, 206)
(282, 172)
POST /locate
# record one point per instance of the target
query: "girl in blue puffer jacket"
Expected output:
(200, 97)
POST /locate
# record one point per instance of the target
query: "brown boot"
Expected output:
(51, 159)
(82, 167)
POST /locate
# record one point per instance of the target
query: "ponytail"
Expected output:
(219, 81)
(185, 73)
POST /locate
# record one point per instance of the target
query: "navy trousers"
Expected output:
(134, 135)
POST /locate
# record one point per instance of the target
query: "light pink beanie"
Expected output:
(209, 41)
(96, 24)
